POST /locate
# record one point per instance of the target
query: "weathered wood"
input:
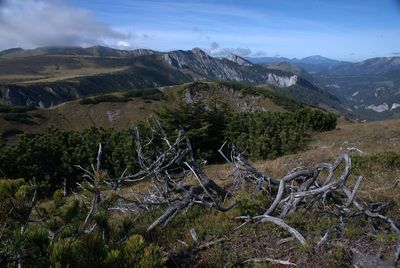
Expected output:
(273, 261)
(171, 172)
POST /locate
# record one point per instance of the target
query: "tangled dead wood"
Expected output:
(322, 186)
(178, 182)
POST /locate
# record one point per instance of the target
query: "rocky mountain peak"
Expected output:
(199, 52)
(239, 60)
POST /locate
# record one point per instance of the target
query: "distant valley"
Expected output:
(369, 89)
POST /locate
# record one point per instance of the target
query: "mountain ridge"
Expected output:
(94, 51)
(148, 69)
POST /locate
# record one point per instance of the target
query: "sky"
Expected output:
(341, 29)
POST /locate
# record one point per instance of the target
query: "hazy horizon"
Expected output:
(343, 30)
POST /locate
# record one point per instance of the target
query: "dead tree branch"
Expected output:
(169, 172)
(175, 182)
(324, 185)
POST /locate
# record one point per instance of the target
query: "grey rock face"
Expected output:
(113, 115)
(239, 60)
(282, 81)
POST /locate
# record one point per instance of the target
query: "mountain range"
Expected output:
(369, 89)
(312, 64)
(51, 75)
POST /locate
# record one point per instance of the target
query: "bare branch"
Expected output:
(273, 261)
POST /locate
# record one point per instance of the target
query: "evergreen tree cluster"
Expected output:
(50, 157)
(50, 234)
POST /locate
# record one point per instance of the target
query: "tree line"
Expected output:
(50, 158)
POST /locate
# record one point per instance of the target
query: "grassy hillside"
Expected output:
(123, 109)
(37, 69)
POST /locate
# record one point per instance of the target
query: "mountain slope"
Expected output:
(94, 51)
(369, 89)
(127, 70)
(372, 66)
(312, 64)
(317, 59)
(122, 109)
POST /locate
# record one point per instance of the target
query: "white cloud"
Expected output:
(35, 23)
(123, 44)
(217, 51)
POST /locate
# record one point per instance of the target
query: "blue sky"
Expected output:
(341, 29)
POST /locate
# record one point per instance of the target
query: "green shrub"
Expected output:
(19, 117)
(146, 94)
(58, 198)
(103, 98)
(11, 132)
(114, 258)
(36, 242)
(153, 257)
(101, 218)
(70, 211)
(64, 253)
(253, 207)
(86, 101)
(134, 249)
(204, 123)
(269, 135)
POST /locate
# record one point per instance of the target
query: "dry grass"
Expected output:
(380, 184)
(54, 76)
(56, 67)
(371, 138)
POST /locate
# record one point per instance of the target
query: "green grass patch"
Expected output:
(386, 160)
(150, 94)
(103, 98)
